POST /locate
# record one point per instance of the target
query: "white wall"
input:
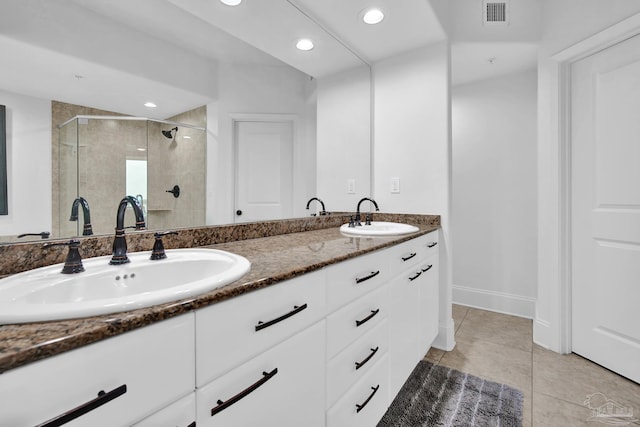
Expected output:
(252, 89)
(344, 133)
(413, 142)
(494, 210)
(564, 23)
(28, 164)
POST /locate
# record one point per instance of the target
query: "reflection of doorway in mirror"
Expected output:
(136, 182)
(264, 170)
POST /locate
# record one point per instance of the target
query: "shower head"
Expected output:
(168, 134)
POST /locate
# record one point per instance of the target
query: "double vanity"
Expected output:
(322, 331)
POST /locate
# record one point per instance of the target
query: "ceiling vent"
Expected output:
(495, 12)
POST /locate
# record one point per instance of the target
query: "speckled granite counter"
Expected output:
(275, 258)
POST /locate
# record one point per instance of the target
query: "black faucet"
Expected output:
(323, 211)
(357, 219)
(73, 261)
(86, 214)
(119, 242)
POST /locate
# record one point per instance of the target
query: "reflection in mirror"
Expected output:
(105, 158)
(118, 56)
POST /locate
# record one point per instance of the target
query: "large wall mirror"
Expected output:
(237, 66)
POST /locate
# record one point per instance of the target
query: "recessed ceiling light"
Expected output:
(304, 44)
(186, 137)
(231, 2)
(150, 104)
(373, 16)
(141, 149)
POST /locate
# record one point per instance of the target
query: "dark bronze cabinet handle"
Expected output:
(361, 407)
(86, 407)
(412, 278)
(193, 424)
(266, 376)
(369, 317)
(427, 268)
(408, 257)
(373, 353)
(296, 310)
(372, 275)
(432, 244)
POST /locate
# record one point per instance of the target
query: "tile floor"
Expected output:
(499, 348)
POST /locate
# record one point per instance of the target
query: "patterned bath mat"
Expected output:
(435, 395)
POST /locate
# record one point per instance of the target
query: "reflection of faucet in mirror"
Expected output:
(43, 235)
(357, 219)
(323, 211)
(119, 242)
(86, 214)
(140, 200)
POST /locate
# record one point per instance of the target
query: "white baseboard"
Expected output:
(495, 301)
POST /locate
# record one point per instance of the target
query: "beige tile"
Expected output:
(459, 313)
(572, 378)
(434, 355)
(554, 412)
(491, 361)
(498, 328)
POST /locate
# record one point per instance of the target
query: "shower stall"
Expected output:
(105, 158)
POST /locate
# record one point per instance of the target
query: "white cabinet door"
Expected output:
(179, 414)
(285, 386)
(234, 331)
(124, 379)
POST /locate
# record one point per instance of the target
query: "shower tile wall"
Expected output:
(104, 147)
(180, 161)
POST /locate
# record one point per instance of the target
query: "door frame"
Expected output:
(262, 117)
(561, 86)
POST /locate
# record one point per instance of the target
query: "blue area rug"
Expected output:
(435, 395)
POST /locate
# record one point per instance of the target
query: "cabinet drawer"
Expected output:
(365, 403)
(179, 414)
(282, 387)
(155, 364)
(429, 285)
(351, 279)
(408, 254)
(354, 320)
(234, 331)
(431, 243)
(355, 361)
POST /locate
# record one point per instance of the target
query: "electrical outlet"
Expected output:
(351, 186)
(395, 185)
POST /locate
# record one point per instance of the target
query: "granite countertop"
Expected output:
(273, 259)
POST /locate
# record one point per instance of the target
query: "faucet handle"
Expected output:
(158, 247)
(368, 219)
(73, 262)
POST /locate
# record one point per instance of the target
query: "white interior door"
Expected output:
(264, 170)
(605, 146)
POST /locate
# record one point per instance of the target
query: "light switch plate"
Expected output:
(395, 185)
(351, 186)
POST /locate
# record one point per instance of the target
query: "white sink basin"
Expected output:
(379, 228)
(46, 294)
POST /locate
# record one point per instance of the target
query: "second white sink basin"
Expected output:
(46, 294)
(379, 228)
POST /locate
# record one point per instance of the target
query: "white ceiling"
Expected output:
(129, 52)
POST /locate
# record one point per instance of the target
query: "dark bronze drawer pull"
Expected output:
(407, 258)
(193, 424)
(224, 405)
(361, 407)
(369, 317)
(373, 353)
(86, 407)
(432, 244)
(296, 310)
(412, 278)
(372, 275)
(427, 268)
